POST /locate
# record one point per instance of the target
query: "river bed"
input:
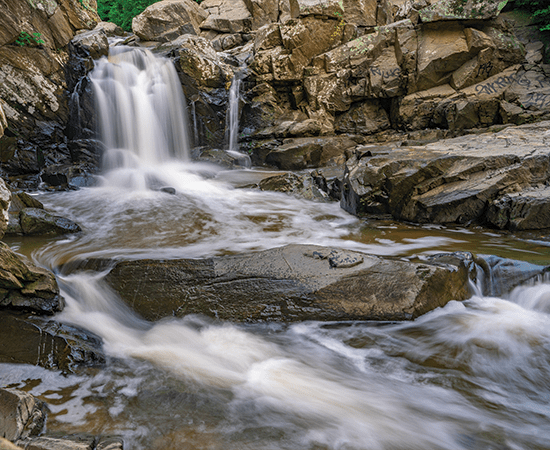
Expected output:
(472, 375)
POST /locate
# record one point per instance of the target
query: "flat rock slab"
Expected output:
(291, 283)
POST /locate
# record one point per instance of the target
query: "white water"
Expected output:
(232, 126)
(472, 375)
(141, 112)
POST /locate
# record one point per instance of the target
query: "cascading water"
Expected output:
(141, 112)
(469, 376)
(232, 126)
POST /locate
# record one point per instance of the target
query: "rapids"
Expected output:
(471, 375)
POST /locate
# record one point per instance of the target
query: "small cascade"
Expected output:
(141, 110)
(195, 124)
(496, 276)
(232, 122)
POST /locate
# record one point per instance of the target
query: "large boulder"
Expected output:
(37, 221)
(301, 153)
(25, 286)
(475, 178)
(296, 282)
(263, 12)
(168, 19)
(227, 16)
(197, 59)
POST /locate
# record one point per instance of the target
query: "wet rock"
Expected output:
(303, 186)
(21, 415)
(166, 20)
(5, 199)
(296, 155)
(67, 176)
(302, 153)
(36, 221)
(23, 418)
(218, 157)
(56, 443)
(93, 42)
(493, 275)
(24, 286)
(296, 282)
(460, 180)
(29, 339)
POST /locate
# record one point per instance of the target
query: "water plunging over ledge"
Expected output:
(141, 112)
(232, 126)
(471, 375)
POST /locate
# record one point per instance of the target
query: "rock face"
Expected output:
(33, 83)
(296, 282)
(364, 68)
(33, 43)
(476, 178)
(24, 286)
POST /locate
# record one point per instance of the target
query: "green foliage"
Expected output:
(540, 10)
(31, 40)
(122, 12)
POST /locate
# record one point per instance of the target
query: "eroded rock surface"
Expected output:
(476, 178)
(295, 282)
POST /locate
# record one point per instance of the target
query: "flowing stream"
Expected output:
(472, 375)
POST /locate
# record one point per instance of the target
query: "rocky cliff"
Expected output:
(34, 38)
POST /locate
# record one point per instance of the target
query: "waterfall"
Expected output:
(232, 123)
(195, 124)
(233, 114)
(141, 109)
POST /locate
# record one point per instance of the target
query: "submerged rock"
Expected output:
(291, 283)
